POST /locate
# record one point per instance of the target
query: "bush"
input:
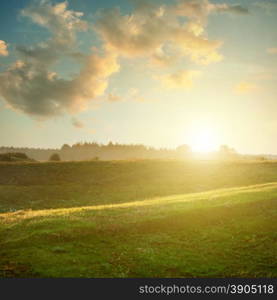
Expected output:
(95, 158)
(55, 157)
(14, 156)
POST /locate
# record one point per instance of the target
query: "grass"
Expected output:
(138, 219)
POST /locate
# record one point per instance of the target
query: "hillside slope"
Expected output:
(74, 184)
(219, 233)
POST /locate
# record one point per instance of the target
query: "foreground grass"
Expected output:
(219, 233)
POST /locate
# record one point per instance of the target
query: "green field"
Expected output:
(138, 219)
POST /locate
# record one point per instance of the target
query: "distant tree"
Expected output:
(227, 152)
(77, 145)
(14, 156)
(183, 150)
(224, 149)
(65, 147)
(55, 157)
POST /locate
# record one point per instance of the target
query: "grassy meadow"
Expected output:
(148, 218)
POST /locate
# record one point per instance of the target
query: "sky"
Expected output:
(153, 72)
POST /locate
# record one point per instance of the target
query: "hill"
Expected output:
(138, 219)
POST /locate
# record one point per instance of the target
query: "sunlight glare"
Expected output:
(203, 139)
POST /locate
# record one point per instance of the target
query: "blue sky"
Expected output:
(215, 74)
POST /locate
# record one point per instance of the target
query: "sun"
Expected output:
(203, 139)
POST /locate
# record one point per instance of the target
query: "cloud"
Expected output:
(34, 90)
(144, 100)
(272, 50)
(58, 19)
(31, 87)
(113, 97)
(268, 6)
(164, 58)
(62, 23)
(77, 123)
(245, 87)
(232, 9)
(264, 75)
(179, 79)
(133, 94)
(156, 32)
(150, 29)
(91, 131)
(3, 48)
(200, 9)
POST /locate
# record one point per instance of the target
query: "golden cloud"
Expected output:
(272, 50)
(155, 32)
(149, 30)
(245, 87)
(3, 48)
(30, 87)
(180, 79)
(113, 97)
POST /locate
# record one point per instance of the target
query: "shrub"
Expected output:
(14, 156)
(55, 157)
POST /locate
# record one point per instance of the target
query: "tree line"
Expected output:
(115, 151)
